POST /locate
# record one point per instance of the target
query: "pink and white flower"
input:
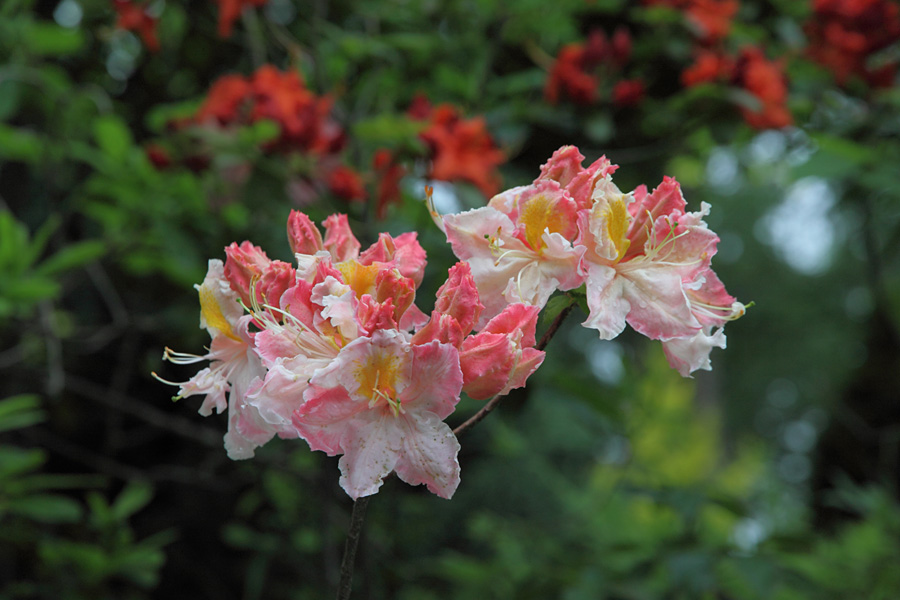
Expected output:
(643, 259)
(519, 246)
(381, 405)
(234, 366)
(647, 263)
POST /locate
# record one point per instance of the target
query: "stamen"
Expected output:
(166, 381)
(181, 358)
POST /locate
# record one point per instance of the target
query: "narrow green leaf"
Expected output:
(46, 508)
(41, 237)
(132, 499)
(70, 257)
(15, 461)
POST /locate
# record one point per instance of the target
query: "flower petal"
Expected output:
(429, 454)
(371, 451)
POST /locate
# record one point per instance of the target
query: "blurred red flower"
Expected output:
(345, 183)
(764, 79)
(134, 17)
(304, 118)
(710, 18)
(709, 66)
(843, 34)
(628, 92)
(568, 77)
(230, 11)
(389, 172)
(460, 148)
(575, 73)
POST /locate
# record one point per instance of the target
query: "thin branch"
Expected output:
(125, 403)
(357, 518)
(56, 375)
(551, 331)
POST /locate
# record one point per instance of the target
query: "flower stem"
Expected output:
(356, 524)
(493, 402)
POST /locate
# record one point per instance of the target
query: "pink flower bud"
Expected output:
(391, 285)
(303, 235)
(339, 240)
(244, 263)
(458, 297)
(501, 357)
(275, 280)
(441, 327)
(373, 315)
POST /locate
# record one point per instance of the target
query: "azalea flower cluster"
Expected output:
(751, 71)
(458, 149)
(333, 350)
(643, 259)
(844, 34)
(305, 127)
(580, 68)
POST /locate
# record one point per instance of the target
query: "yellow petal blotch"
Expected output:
(212, 313)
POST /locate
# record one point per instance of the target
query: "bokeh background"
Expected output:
(138, 139)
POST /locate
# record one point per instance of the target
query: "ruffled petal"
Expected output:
(429, 454)
(689, 354)
(371, 451)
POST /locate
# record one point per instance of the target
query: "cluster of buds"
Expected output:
(333, 350)
(642, 258)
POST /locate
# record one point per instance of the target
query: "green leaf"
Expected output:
(113, 137)
(71, 257)
(556, 305)
(46, 508)
(387, 129)
(21, 420)
(15, 461)
(41, 237)
(10, 94)
(31, 289)
(132, 499)
(48, 39)
(20, 144)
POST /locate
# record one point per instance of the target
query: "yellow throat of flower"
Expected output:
(615, 214)
(360, 278)
(212, 313)
(540, 214)
(377, 377)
